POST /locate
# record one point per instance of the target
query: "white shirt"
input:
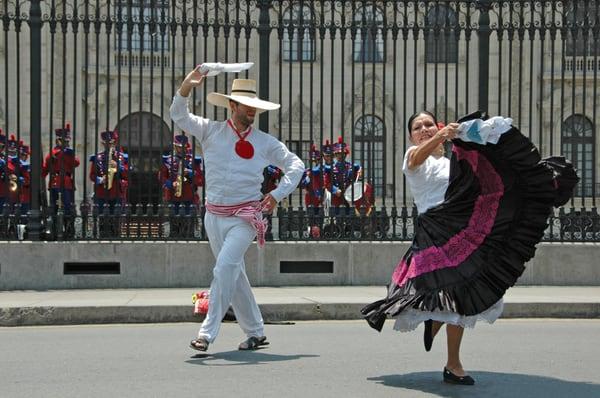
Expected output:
(428, 182)
(230, 179)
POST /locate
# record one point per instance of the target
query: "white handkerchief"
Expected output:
(214, 68)
(484, 131)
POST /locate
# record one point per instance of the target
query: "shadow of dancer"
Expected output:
(491, 384)
(232, 358)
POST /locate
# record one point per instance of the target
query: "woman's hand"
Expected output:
(449, 132)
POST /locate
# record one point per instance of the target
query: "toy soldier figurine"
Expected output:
(313, 182)
(60, 164)
(344, 174)
(14, 179)
(4, 181)
(180, 176)
(272, 176)
(109, 173)
(25, 194)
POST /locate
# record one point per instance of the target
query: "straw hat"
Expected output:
(244, 92)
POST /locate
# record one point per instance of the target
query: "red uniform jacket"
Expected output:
(343, 176)
(193, 179)
(313, 182)
(3, 177)
(8, 168)
(120, 184)
(60, 162)
(25, 186)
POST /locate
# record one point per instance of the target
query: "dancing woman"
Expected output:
(480, 216)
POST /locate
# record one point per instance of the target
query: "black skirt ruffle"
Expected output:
(530, 188)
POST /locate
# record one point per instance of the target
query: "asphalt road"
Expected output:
(512, 358)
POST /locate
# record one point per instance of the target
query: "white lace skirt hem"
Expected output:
(410, 318)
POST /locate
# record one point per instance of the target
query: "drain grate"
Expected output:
(92, 268)
(306, 267)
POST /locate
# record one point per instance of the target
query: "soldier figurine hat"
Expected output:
(180, 140)
(244, 92)
(63, 132)
(327, 149)
(340, 146)
(24, 149)
(12, 142)
(109, 135)
(314, 153)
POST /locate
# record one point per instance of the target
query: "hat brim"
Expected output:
(219, 99)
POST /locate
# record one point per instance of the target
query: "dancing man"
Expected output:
(234, 202)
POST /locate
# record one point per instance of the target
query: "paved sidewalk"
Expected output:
(277, 304)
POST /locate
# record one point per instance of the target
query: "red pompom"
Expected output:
(244, 149)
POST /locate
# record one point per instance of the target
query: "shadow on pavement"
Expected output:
(230, 358)
(491, 384)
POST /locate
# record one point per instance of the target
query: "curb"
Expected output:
(37, 316)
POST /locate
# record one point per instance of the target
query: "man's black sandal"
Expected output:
(199, 344)
(252, 343)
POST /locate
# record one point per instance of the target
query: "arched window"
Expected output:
(294, 47)
(580, 16)
(369, 44)
(577, 146)
(368, 149)
(441, 43)
(145, 137)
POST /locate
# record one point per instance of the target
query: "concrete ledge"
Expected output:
(40, 265)
(37, 316)
(277, 304)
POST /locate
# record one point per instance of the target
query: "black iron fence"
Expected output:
(350, 69)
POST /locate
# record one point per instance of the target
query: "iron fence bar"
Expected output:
(4, 151)
(35, 31)
(596, 38)
(531, 32)
(483, 35)
(542, 37)
(264, 32)
(585, 35)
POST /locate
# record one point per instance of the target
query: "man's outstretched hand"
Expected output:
(193, 79)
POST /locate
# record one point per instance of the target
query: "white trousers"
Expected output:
(229, 239)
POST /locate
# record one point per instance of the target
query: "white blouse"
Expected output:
(231, 179)
(428, 182)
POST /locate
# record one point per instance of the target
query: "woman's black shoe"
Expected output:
(427, 335)
(451, 378)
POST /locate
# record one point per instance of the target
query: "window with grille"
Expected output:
(441, 43)
(300, 148)
(368, 148)
(131, 14)
(369, 44)
(145, 137)
(577, 146)
(580, 17)
(295, 47)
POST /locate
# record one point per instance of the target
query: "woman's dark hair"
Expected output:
(413, 117)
